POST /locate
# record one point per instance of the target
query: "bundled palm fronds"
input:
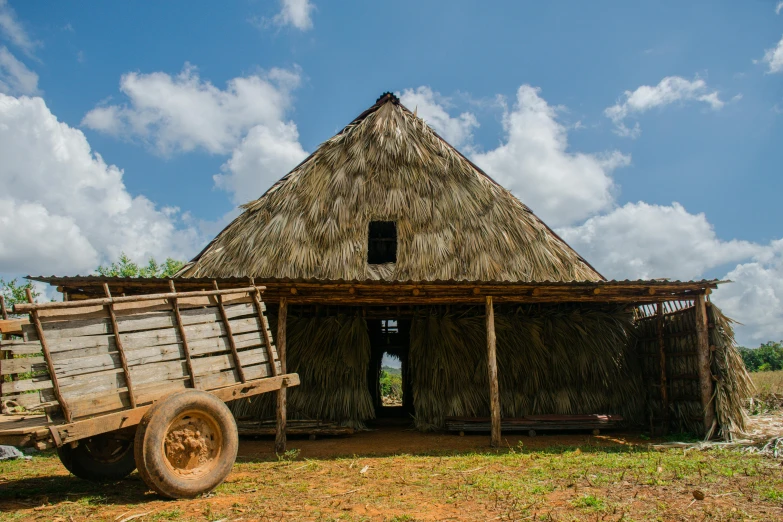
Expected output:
(453, 221)
(733, 385)
(331, 354)
(551, 359)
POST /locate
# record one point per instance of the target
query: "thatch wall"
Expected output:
(732, 384)
(565, 359)
(551, 358)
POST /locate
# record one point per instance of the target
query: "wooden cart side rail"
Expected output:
(114, 421)
(29, 307)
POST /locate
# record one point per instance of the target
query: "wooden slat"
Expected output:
(182, 335)
(26, 364)
(48, 357)
(120, 350)
(12, 326)
(264, 327)
(20, 347)
(230, 336)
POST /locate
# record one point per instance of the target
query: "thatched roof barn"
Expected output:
(387, 240)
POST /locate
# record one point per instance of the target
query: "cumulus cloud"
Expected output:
(265, 155)
(670, 90)
(63, 209)
(431, 107)
(643, 241)
(15, 77)
(296, 13)
(535, 163)
(182, 113)
(13, 31)
(774, 58)
(755, 299)
(779, 7)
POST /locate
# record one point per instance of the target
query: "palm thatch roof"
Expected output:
(453, 221)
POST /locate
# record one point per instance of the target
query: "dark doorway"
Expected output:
(390, 341)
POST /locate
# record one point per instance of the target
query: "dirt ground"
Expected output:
(395, 474)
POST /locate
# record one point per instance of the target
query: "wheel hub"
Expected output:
(192, 444)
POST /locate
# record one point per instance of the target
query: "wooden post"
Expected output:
(703, 356)
(2, 307)
(492, 365)
(662, 359)
(281, 393)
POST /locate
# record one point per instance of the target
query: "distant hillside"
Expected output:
(392, 371)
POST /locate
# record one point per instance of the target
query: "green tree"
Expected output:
(126, 267)
(767, 357)
(13, 292)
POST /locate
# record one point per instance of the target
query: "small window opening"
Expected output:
(382, 242)
(389, 326)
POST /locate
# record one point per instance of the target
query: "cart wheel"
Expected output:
(531, 433)
(596, 432)
(100, 458)
(186, 444)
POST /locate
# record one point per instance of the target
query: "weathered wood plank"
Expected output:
(103, 402)
(23, 365)
(36, 383)
(20, 347)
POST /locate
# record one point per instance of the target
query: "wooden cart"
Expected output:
(140, 382)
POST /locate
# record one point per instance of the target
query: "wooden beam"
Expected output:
(55, 305)
(492, 365)
(280, 431)
(703, 355)
(120, 350)
(662, 360)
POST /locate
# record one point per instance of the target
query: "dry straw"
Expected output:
(453, 221)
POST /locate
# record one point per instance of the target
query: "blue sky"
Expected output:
(648, 133)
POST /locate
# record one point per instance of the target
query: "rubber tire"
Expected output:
(83, 464)
(151, 433)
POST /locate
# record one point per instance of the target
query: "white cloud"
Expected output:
(182, 113)
(63, 209)
(534, 162)
(265, 155)
(774, 58)
(779, 7)
(12, 30)
(431, 107)
(755, 299)
(15, 77)
(296, 13)
(643, 241)
(670, 90)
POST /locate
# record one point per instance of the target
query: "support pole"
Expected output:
(703, 356)
(280, 441)
(662, 360)
(492, 365)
